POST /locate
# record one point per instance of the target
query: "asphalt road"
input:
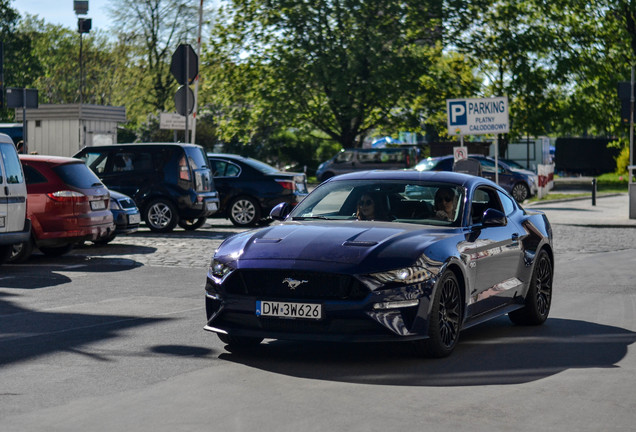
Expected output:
(110, 339)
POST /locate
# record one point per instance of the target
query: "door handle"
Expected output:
(6, 190)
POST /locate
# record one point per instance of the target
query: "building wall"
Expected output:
(62, 130)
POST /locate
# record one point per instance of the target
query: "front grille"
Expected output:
(313, 285)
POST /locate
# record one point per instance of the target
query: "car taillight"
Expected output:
(287, 184)
(67, 195)
(184, 170)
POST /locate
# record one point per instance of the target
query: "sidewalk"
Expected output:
(609, 211)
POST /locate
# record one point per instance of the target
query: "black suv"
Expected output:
(170, 183)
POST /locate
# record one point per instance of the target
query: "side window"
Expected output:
(507, 203)
(483, 199)
(33, 176)
(345, 156)
(369, 157)
(218, 167)
(12, 168)
(123, 161)
(96, 161)
(232, 170)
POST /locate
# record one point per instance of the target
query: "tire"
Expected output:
(161, 216)
(539, 296)
(5, 253)
(57, 250)
(445, 319)
(239, 341)
(105, 240)
(21, 252)
(192, 224)
(520, 192)
(244, 211)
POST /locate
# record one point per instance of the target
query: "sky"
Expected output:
(61, 12)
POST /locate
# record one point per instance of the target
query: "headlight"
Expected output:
(406, 276)
(219, 271)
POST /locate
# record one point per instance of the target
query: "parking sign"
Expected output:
(477, 116)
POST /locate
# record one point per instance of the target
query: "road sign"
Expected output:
(185, 63)
(22, 98)
(184, 100)
(477, 116)
(173, 121)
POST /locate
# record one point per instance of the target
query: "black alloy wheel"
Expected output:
(539, 297)
(520, 192)
(192, 224)
(161, 216)
(445, 319)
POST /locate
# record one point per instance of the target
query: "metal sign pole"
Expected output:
(187, 74)
(25, 145)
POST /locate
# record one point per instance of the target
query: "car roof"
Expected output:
(229, 156)
(414, 175)
(145, 144)
(51, 160)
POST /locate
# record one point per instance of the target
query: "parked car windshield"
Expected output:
(78, 175)
(412, 202)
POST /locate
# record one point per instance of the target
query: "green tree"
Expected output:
(342, 67)
(20, 66)
(151, 31)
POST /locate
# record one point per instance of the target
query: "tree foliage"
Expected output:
(338, 66)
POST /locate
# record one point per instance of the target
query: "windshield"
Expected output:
(431, 203)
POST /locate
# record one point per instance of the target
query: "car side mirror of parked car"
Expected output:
(280, 212)
(493, 218)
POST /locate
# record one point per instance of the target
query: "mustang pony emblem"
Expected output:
(292, 284)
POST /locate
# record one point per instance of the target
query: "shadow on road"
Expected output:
(27, 334)
(494, 353)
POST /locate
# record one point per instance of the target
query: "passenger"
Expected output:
(445, 203)
(370, 208)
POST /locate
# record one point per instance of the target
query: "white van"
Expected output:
(14, 226)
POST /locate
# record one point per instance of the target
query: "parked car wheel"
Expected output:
(539, 295)
(192, 224)
(160, 216)
(239, 341)
(57, 250)
(105, 240)
(520, 192)
(5, 253)
(244, 211)
(21, 252)
(445, 322)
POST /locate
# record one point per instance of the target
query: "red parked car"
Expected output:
(67, 204)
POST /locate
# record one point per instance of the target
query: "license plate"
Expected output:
(211, 206)
(98, 205)
(289, 310)
(134, 219)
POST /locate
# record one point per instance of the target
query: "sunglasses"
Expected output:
(445, 198)
(366, 202)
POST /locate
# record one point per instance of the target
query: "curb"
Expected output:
(562, 200)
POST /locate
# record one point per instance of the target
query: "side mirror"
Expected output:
(493, 218)
(280, 212)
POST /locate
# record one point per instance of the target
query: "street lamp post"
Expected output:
(83, 26)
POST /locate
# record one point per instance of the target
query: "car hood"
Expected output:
(379, 245)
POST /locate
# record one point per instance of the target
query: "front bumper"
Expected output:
(353, 320)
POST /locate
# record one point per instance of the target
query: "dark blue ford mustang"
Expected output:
(437, 253)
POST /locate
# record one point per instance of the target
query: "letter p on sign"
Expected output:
(457, 113)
